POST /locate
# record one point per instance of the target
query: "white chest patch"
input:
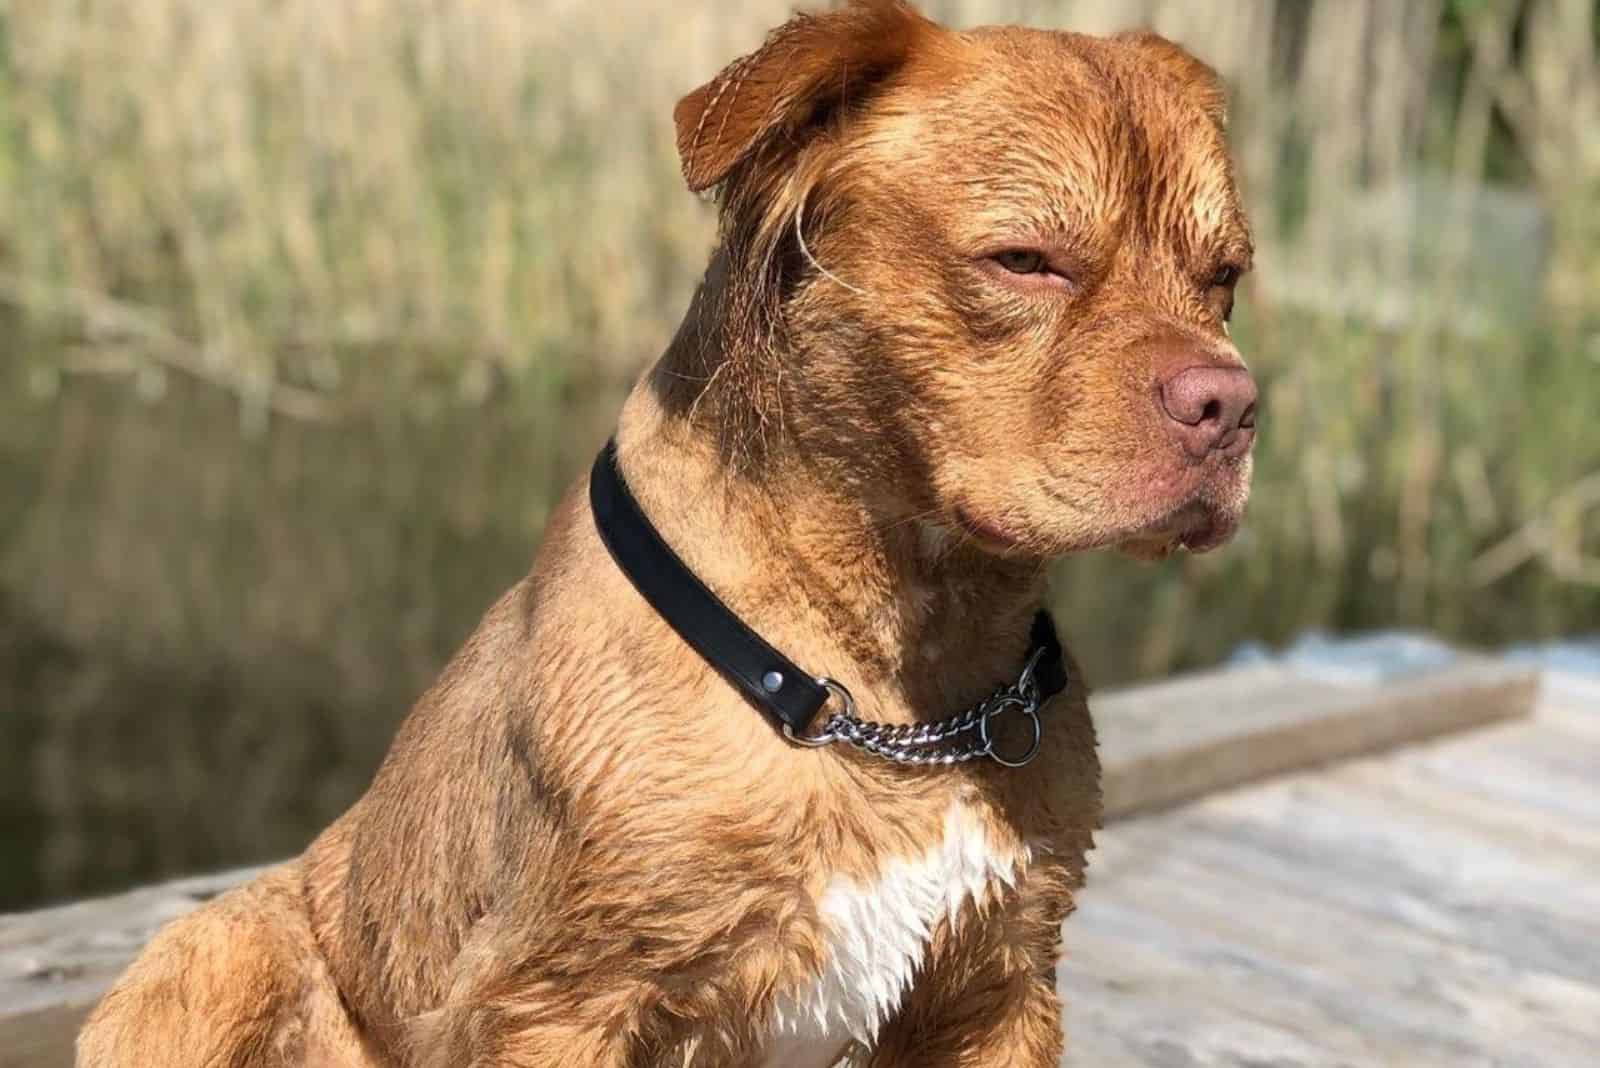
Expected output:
(877, 936)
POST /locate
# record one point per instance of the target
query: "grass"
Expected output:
(309, 310)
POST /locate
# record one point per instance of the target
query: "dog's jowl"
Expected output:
(773, 759)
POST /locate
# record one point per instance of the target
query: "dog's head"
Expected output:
(984, 277)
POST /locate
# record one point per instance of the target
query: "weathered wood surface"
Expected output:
(1174, 741)
(1436, 905)
(1160, 745)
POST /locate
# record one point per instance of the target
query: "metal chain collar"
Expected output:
(956, 740)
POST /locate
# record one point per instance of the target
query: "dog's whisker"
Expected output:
(683, 376)
(710, 381)
(805, 250)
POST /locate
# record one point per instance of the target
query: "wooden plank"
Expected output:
(1197, 969)
(1167, 744)
(1160, 745)
(42, 1039)
(1425, 907)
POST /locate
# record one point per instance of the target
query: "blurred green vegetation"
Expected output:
(309, 310)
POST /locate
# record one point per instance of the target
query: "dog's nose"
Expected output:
(1211, 409)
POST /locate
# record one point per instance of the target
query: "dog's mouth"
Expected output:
(1160, 511)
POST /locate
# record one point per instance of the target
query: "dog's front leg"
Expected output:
(492, 1039)
(988, 998)
(994, 1023)
(498, 1020)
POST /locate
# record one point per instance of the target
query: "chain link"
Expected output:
(961, 738)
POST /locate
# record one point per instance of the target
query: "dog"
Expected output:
(967, 314)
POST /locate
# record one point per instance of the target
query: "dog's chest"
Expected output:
(877, 935)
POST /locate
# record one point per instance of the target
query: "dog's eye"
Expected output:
(1021, 261)
(1225, 278)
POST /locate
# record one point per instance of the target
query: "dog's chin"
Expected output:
(1197, 527)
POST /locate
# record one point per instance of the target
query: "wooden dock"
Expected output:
(1390, 865)
(1435, 905)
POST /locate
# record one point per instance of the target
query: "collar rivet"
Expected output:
(772, 681)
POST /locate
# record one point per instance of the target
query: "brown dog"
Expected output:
(967, 315)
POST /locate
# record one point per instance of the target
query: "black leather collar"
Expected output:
(776, 685)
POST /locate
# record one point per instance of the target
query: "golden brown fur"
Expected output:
(584, 848)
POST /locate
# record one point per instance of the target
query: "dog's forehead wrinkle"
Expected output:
(1100, 131)
(1065, 190)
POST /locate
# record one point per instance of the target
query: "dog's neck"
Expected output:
(917, 620)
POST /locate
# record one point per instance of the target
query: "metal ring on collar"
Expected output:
(827, 736)
(988, 742)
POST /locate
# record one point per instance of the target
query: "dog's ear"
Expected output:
(1197, 78)
(807, 69)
